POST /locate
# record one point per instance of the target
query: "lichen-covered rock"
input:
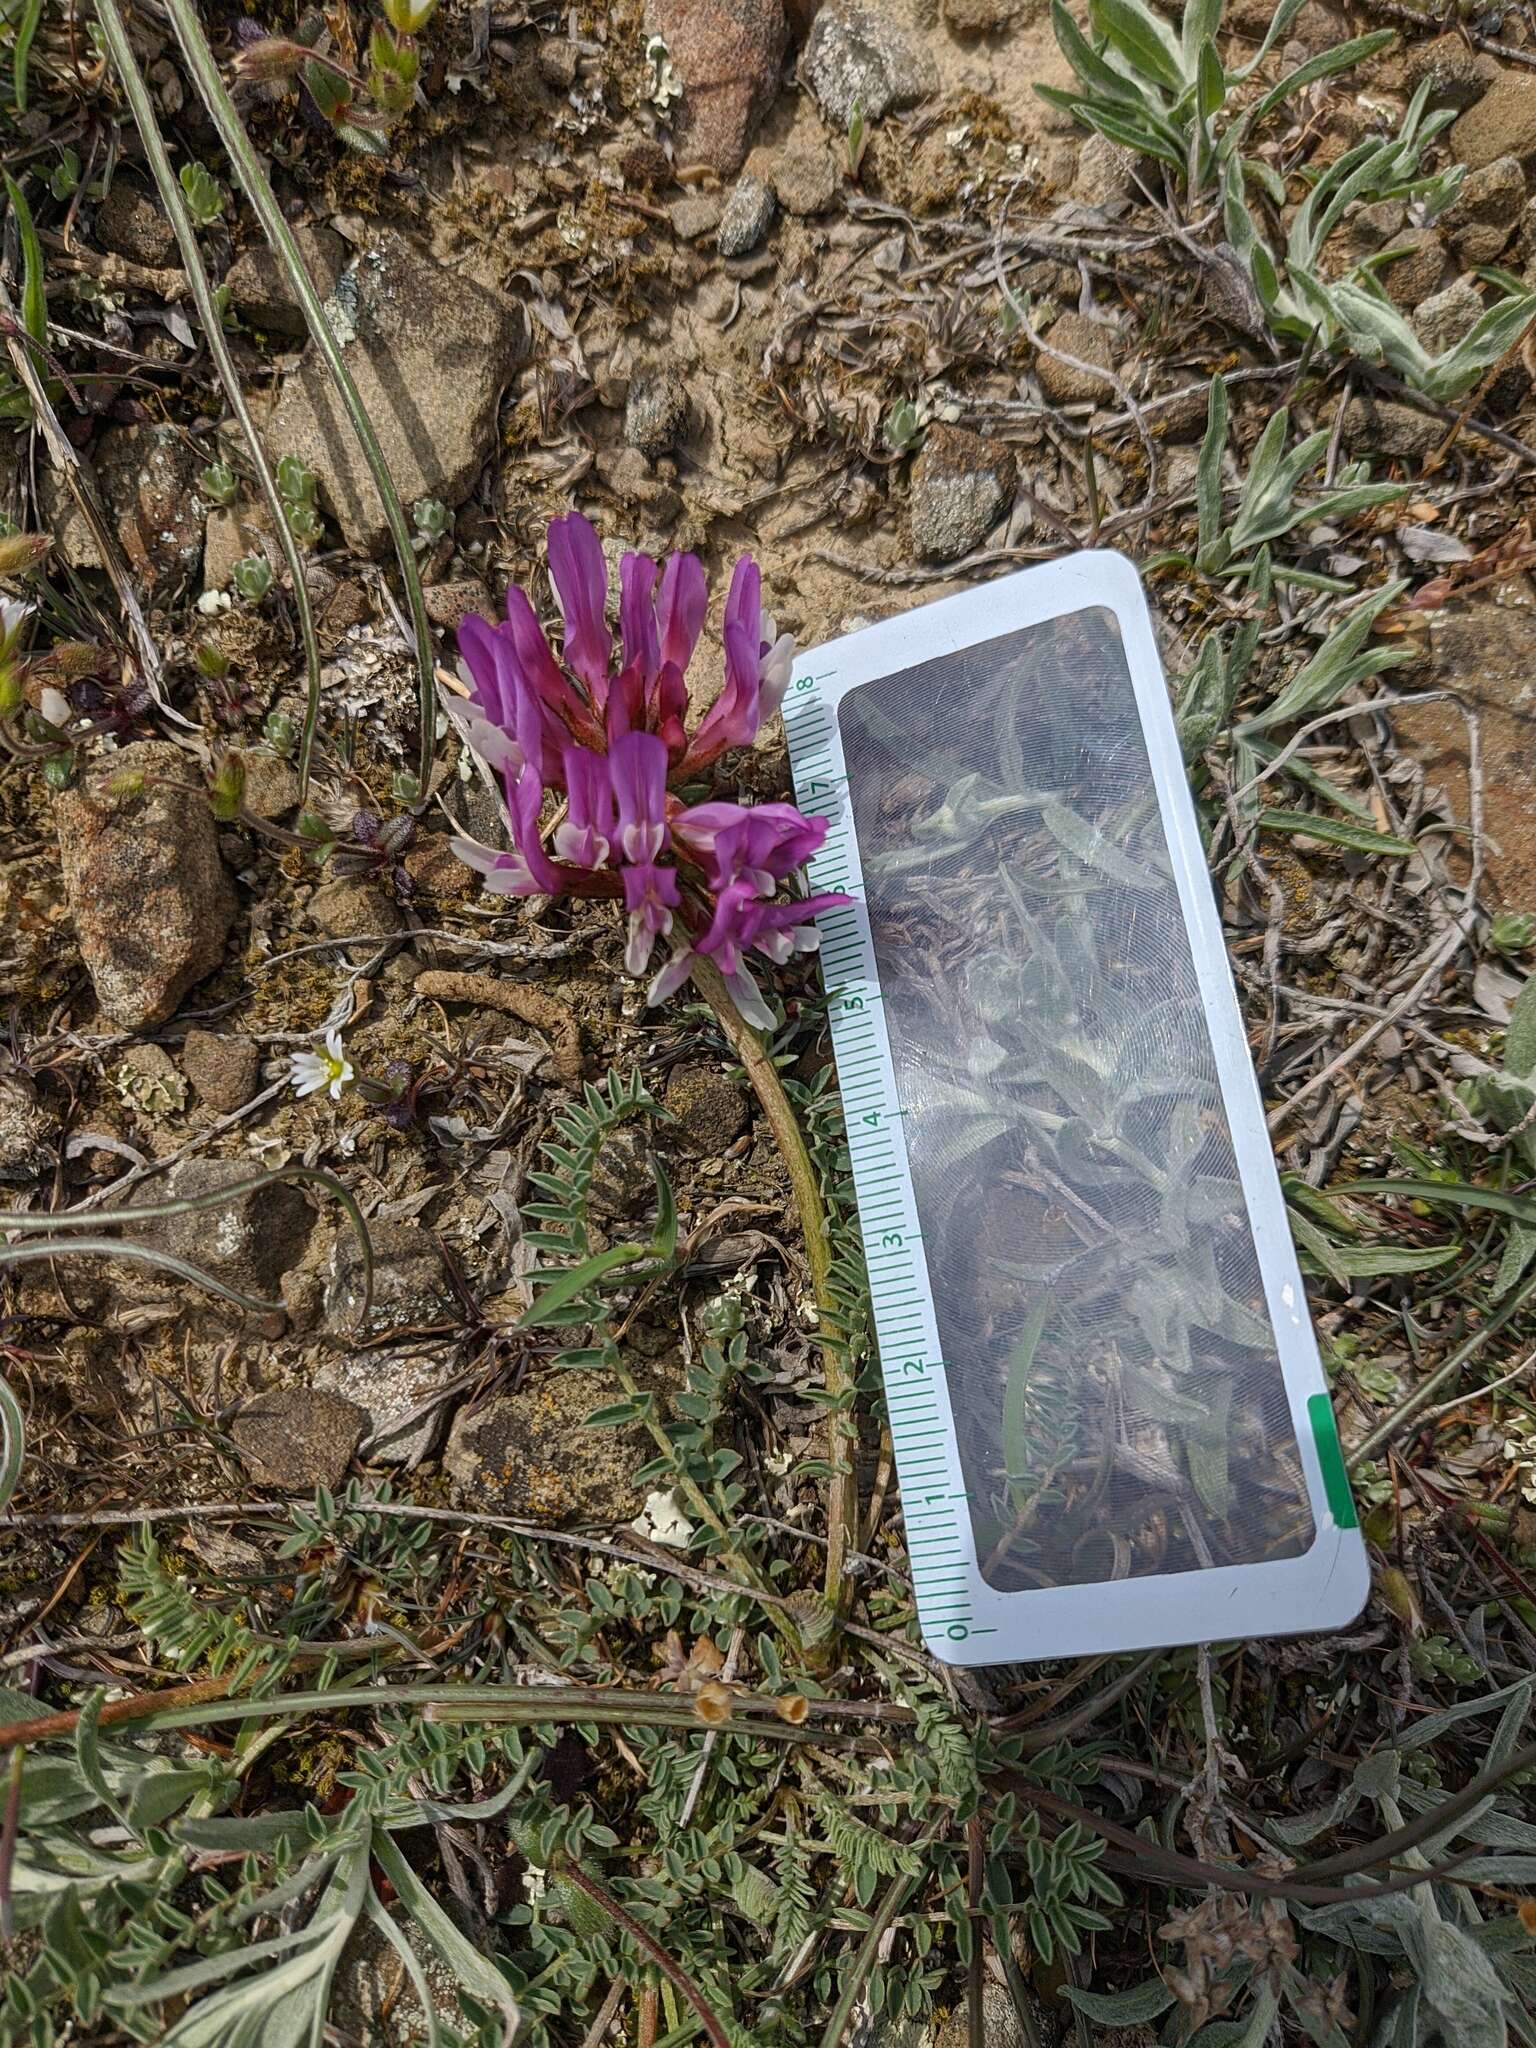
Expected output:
(527, 1454)
(727, 54)
(431, 353)
(248, 1242)
(410, 1289)
(147, 477)
(657, 414)
(747, 217)
(390, 1386)
(856, 55)
(297, 1440)
(27, 1135)
(961, 486)
(151, 900)
(258, 284)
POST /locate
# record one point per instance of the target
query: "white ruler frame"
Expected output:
(965, 1620)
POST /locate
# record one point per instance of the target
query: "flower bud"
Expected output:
(409, 17)
(226, 788)
(10, 689)
(20, 552)
(272, 61)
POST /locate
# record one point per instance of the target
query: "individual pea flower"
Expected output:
(310, 1072)
(606, 729)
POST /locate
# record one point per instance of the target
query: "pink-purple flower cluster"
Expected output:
(609, 735)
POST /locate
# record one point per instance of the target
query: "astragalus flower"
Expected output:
(607, 730)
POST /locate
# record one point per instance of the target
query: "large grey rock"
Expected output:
(961, 487)
(431, 354)
(151, 900)
(259, 287)
(410, 1289)
(248, 1242)
(856, 55)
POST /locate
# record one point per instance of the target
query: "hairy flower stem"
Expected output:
(253, 179)
(131, 79)
(842, 1504)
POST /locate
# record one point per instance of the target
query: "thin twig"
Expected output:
(842, 1501)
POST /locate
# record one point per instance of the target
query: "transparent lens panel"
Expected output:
(1112, 1370)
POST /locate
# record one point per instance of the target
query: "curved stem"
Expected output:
(142, 108)
(842, 1500)
(247, 166)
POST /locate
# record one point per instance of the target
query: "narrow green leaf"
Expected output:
(1145, 41)
(1338, 832)
(34, 298)
(565, 1286)
(26, 29)
(1341, 58)
(1520, 1038)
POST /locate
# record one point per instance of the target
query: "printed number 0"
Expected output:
(957, 1632)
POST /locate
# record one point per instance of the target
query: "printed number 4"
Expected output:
(872, 1118)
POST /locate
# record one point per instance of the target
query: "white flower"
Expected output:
(663, 1521)
(311, 1071)
(13, 616)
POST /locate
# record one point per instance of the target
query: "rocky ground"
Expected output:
(833, 285)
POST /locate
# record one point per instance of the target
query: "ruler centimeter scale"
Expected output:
(940, 1547)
